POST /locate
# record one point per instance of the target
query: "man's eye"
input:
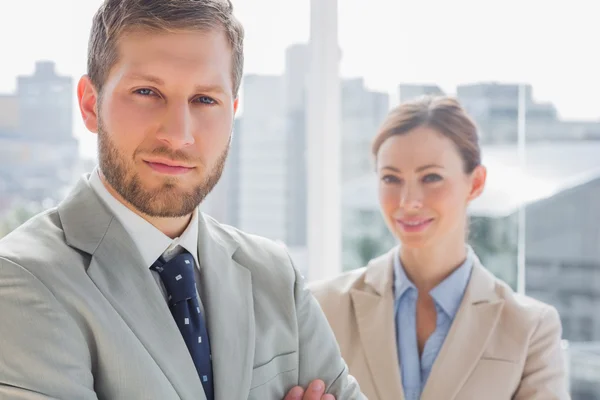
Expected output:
(145, 92)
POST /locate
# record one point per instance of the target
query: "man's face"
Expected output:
(164, 119)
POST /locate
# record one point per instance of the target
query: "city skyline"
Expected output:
(402, 92)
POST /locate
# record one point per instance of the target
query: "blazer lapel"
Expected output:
(117, 271)
(475, 321)
(374, 312)
(228, 300)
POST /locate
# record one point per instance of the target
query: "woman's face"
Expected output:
(423, 188)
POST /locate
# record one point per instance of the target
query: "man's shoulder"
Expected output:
(37, 242)
(272, 273)
(246, 241)
(258, 254)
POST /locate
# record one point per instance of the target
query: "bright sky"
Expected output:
(549, 44)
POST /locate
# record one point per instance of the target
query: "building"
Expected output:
(262, 158)
(408, 92)
(495, 108)
(232, 176)
(584, 364)
(296, 75)
(297, 62)
(38, 153)
(45, 105)
(9, 115)
(363, 112)
(223, 203)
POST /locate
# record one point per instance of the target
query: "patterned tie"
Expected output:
(178, 278)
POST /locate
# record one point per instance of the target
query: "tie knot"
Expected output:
(178, 277)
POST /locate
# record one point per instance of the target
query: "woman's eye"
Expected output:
(390, 179)
(432, 178)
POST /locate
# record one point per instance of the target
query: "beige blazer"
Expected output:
(81, 316)
(501, 345)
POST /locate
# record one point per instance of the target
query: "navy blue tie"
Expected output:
(178, 278)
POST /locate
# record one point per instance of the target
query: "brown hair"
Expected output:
(115, 17)
(445, 115)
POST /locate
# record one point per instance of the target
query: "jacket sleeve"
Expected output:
(43, 353)
(544, 376)
(320, 356)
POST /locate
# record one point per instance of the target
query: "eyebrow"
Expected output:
(156, 80)
(422, 168)
(144, 77)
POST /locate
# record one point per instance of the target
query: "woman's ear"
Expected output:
(478, 178)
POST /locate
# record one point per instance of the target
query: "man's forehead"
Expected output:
(153, 60)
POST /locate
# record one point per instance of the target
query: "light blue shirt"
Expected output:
(447, 297)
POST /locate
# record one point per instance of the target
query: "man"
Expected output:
(125, 290)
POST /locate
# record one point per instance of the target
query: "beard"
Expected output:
(168, 200)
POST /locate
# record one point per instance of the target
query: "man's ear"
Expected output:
(87, 97)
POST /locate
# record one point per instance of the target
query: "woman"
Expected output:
(426, 320)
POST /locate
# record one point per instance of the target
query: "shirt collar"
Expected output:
(401, 281)
(150, 241)
(447, 294)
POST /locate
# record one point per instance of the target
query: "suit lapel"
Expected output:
(117, 271)
(129, 286)
(374, 307)
(475, 321)
(228, 300)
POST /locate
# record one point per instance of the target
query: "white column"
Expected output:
(323, 143)
(522, 150)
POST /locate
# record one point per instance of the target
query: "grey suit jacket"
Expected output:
(81, 317)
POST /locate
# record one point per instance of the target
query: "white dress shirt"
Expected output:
(150, 241)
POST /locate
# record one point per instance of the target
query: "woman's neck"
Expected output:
(427, 267)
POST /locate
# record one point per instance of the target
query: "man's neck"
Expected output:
(171, 227)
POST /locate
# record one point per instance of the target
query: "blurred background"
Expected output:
(319, 79)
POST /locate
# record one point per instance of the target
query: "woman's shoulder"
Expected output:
(339, 285)
(521, 308)
(522, 330)
(535, 312)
